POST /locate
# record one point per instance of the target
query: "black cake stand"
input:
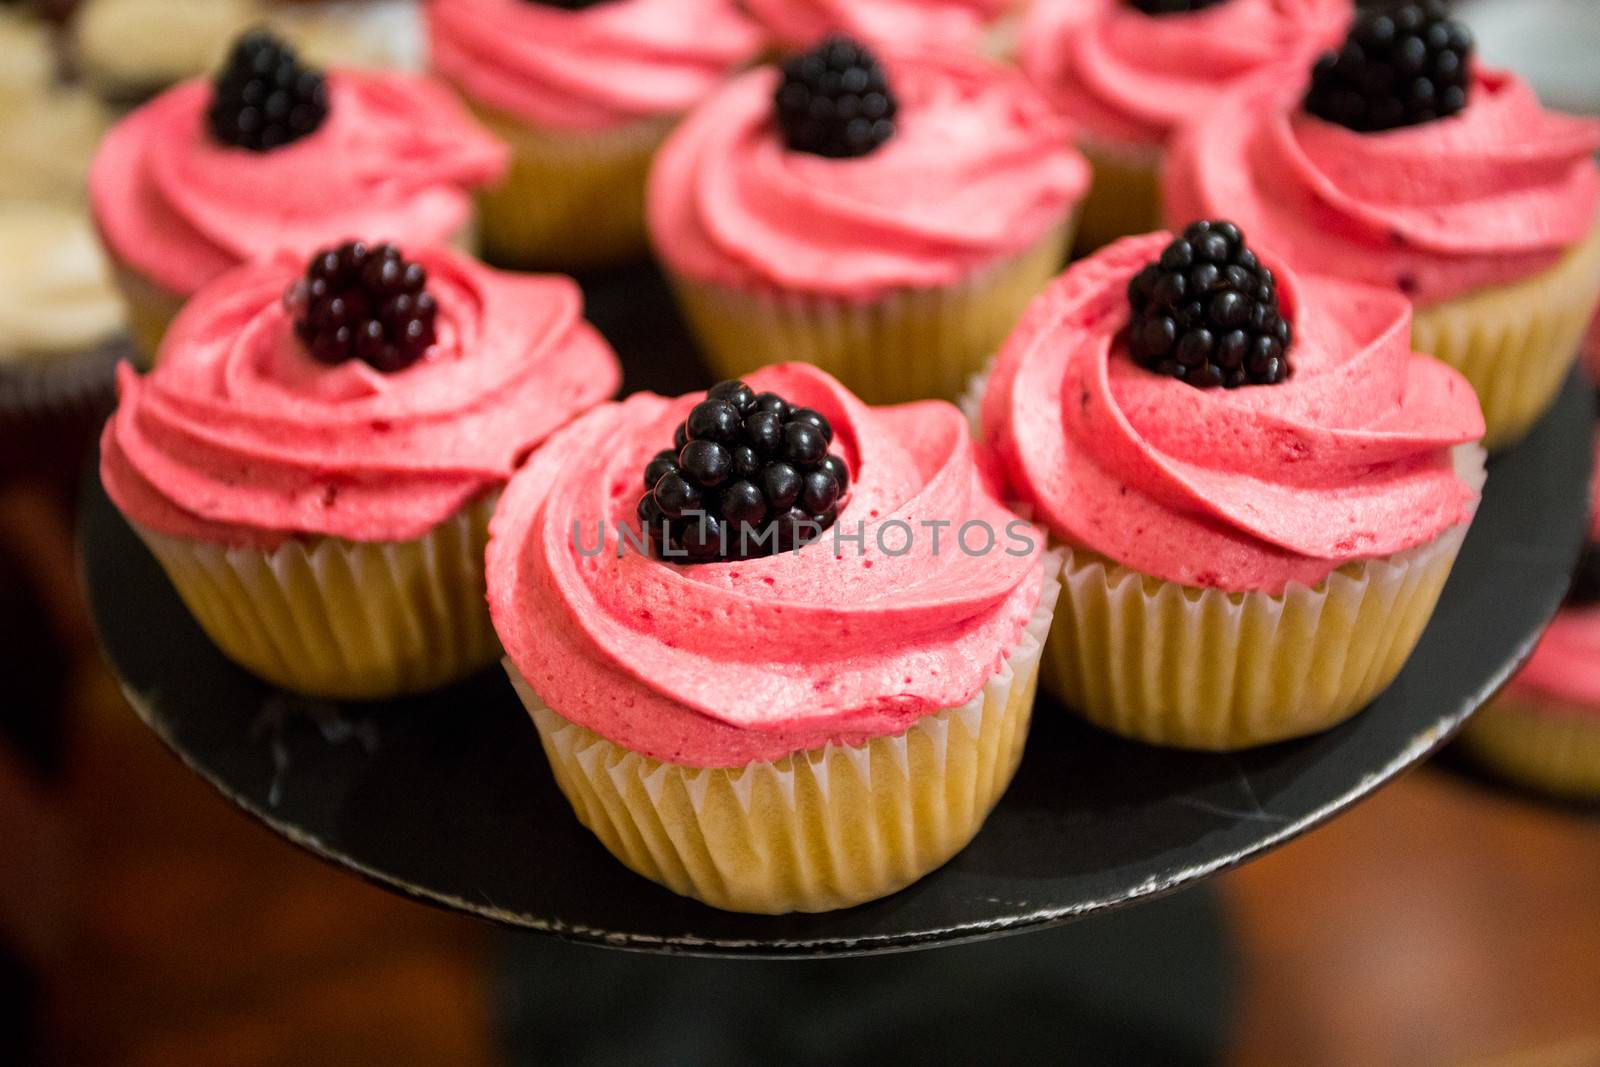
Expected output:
(447, 797)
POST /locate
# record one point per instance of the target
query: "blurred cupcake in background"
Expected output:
(739, 706)
(1260, 488)
(130, 50)
(1399, 161)
(208, 175)
(1543, 729)
(885, 221)
(60, 317)
(315, 458)
(584, 91)
(985, 26)
(1129, 73)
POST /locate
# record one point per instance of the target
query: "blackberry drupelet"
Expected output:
(264, 98)
(1401, 65)
(1172, 7)
(835, 101)
(748, 475)
(1206, 312)
(364, 302)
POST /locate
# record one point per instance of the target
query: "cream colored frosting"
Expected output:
(56, 295)
(48, 131)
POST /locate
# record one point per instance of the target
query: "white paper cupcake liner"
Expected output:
(344, 619)
(815, 830)
(911, 344)
(1538, 742)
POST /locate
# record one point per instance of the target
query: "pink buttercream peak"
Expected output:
(239, 436)
(398, 157)
(897, 23)
(1131, 79)
(1245, 489)
(721, 664)
(590, 68)
(978, 169)
(1486, 197)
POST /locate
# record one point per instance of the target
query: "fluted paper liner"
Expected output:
(1536, 742)
(1177, 665)
(912, 344)
(344, 619)
(1516, 343)
(815, 830)
(572, 199)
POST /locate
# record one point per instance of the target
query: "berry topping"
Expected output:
(263, 97)
(364, 302)
(1172, 7)
(1401, 65)
(835, 101)
(748, 475)
(1206, 312)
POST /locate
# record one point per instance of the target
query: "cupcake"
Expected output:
(894, 253)
(60, 317)
(1543, 729)
(1130, 73)
(977, 25)
(197, 181)
(584, 91)
(1456, 189)
(315, 471)
(767, 684)
(130, 50)
(1259, 488)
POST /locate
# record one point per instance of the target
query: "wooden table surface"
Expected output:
(1439, 923)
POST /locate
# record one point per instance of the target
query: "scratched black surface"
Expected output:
(447, 797)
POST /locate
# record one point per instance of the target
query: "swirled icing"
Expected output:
(723, 664)
(1245, 489)
(898, 23)
(238, 436)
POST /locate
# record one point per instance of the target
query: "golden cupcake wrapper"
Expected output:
(1176, 665)
(1124, 196)
(572, 200)
(344, 619)
(152, 307)
(910, 345)
(1516, 343)
(1538, 742)
(816, 830)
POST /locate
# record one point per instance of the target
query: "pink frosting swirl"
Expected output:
(1566, 664)
(397, 157)
(240, 437)
(978, 169)
(898, 23)
(1488, 196)
(1248, 489)
(722, 664)
(591, 68)
(1131, 79)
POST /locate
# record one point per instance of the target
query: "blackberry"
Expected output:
(1172, 7)
(264, 98)
(835, 101)
(1401, 65)
(748, 475)
(1585, 588)
(364, 302)
(1206, 312)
